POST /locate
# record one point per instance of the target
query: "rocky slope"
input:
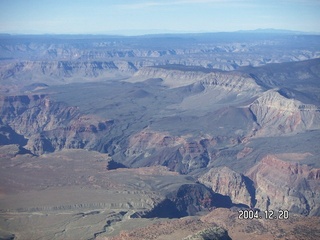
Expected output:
(65, 59)
(9, 136)
(179, 75)
(230, 183)
(184, 228)
(179, 112)
(296, 227)
(173, 77)
(49, 125)
(221, 219)
(286, 185)
(61, 72)
(69, 190)
(277, 115)
(271, 184)
(187, 200)
(178, 153)
(210, 233)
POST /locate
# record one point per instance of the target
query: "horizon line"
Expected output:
(166, 32)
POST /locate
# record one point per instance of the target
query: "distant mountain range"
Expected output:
(107, 131)
(133, 33)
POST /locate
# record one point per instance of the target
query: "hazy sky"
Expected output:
(154, 16)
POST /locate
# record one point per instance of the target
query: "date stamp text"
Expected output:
(267, 214)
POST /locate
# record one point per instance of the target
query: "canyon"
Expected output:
(109, 137)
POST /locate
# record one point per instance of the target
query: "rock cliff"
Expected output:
(59, 72)
(286, 185)
(192, 198)
(159, 148)
(277, 115)
(186, 200)
(173, 77)
(29, 114)
(177, 75)
(271, 184)
(230, 183)
(50, 125)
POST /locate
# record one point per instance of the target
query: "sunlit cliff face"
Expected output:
(102, 135)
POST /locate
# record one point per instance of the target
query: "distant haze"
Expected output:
(133, 17)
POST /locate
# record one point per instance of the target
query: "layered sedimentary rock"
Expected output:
(186, 200)
(271, 184)
(277, 115)
(181, 110)
(178, 153)
(50, 125)
(224, 181)
(286, 185)
(177, 75)
(29, 114)
(173, 77)
(55, 72)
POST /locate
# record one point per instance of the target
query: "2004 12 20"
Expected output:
(267, 214)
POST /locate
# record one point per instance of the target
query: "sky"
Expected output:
(134, 17)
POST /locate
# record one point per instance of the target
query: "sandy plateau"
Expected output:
(72, 195)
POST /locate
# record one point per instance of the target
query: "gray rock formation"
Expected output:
(49, 125)
(176, 76)
(287, 186)
(64, 59)
(184, 200)
(183, 108)
(230, 183)
(61, 72)
(278, 115)
(177, 153)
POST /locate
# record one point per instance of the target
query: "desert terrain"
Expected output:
(159, 136)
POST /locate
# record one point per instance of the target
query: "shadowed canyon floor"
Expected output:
(72, 195)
